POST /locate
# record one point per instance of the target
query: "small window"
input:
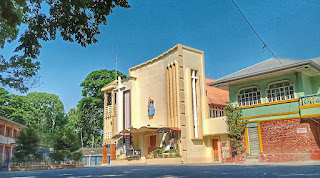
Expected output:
(217, 112)
(249, 96)
(109, 98)
(280, 91)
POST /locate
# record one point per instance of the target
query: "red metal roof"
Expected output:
(215, 95)
(173, 128)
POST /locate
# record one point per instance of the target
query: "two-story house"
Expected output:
(280, 101)
(163, 102)
(9, 130)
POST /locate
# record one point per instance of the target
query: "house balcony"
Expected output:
(310, 106)
(6, 140)
(287, 109)
(108, 110)
(215, 126)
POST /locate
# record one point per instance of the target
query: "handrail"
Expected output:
(310, 95)
(310, 100)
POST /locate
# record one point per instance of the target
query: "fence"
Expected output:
(91, 160)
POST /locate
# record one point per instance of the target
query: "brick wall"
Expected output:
(290, 140)
(284, 157)
(226, 146)
(236, 159)
(282, 137)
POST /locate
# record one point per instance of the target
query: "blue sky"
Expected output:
(150, 27)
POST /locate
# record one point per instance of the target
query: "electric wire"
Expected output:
(264, 44)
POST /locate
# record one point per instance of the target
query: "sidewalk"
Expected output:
(293, 163)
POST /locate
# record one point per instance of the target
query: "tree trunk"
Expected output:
(81, 139)
(92, 141)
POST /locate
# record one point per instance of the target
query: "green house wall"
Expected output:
(303, 85)
(315, 84)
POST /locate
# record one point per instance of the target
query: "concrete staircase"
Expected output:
(251, 158)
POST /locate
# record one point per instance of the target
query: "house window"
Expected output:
(216, 111)
(221, 112)
(280, 91)
(249, 96)
(109, 98)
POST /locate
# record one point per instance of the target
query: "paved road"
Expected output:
(201, 170)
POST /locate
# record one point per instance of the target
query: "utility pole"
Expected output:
(116, 61)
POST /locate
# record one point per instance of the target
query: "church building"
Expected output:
(163, 103)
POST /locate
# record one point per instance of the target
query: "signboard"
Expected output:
(301, 130)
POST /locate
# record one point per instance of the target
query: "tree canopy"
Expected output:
(89, 112)
(44, 113)
(41, 20)
(27, 146)
(41, 110)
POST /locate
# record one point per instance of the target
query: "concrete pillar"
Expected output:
(105, 105)
(5, 130)
(220, 151)
(104, 154)
(113, 152)
(113, 114)
(12, 131)
(174, 89)
(120, 106)
(11, 152)
(171, 97)
(168, 96)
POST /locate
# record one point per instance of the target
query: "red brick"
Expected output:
(282, 137)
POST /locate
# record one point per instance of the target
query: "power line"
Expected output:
(264, 44)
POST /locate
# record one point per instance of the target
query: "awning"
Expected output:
(140, 130)
(166, 129)
(117, 136)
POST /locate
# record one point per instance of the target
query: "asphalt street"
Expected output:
(200, 170)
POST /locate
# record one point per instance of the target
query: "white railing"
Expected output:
(108, 109)
(6, 140)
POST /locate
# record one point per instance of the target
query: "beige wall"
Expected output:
(198, 150)
(215, 126)
(151, 83)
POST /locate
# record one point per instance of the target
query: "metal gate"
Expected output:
(91, 160)
(254, 144)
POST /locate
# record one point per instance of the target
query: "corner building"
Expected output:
(280, 102)
(163, 102)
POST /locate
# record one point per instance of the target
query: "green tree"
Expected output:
(4, 101)
(75, 123)
(66, 144)
(27, 146)
(75, 20)
(48, 110)
(90, 107)
(20, 110)
(43, 110)
(15, 107)
(93, 83)
(48, 114)
(236, 127)
(92, 118)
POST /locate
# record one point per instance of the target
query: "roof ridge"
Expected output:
(271, 64)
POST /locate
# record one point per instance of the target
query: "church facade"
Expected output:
(163, 104)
